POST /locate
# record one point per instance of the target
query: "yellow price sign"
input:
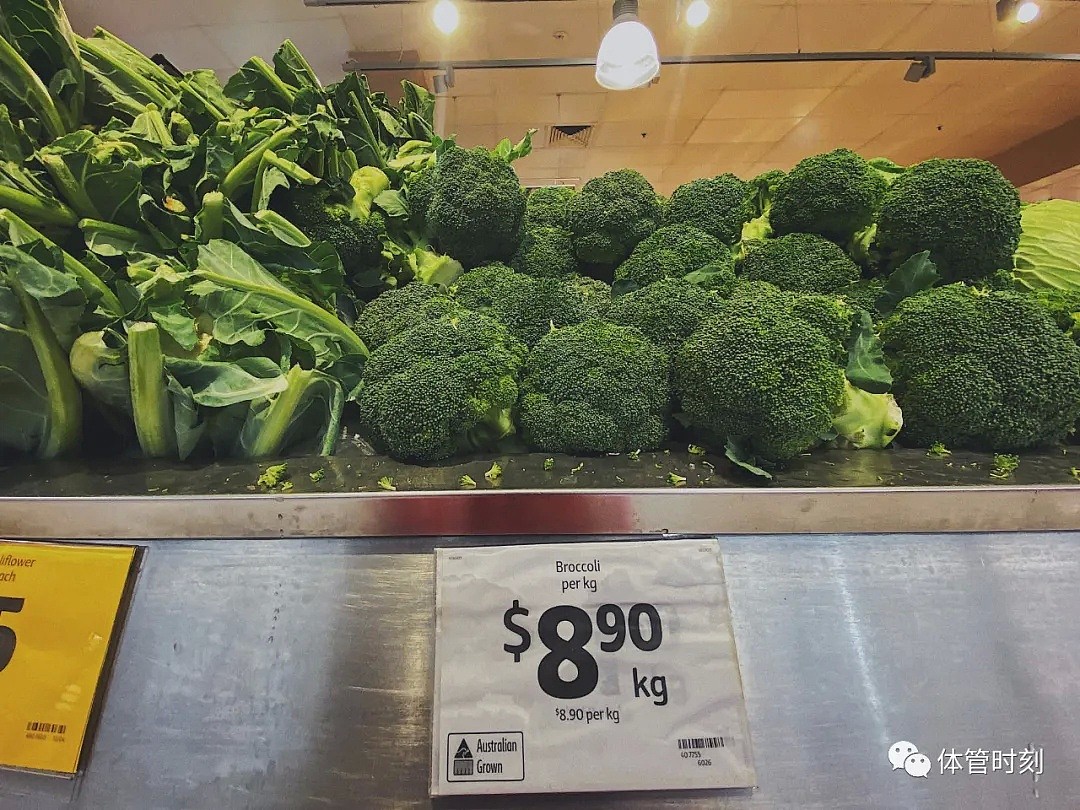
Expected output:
(58, 612)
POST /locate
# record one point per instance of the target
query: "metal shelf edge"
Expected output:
(547, 512)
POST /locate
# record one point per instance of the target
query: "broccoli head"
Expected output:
(546, 207)
(546, 251)
(802, 262)
(864, 294)
(343, 215)
(402, 308)
(477, 206)
(720, 206)
(531, 307)
(834, 195)
(667, 311)
(831, 315)
(676, 251)
(981, 370)
(963, 211)
(608, 218)
(441, 388)
(595, 388)
(1063, 306)
(756, 376)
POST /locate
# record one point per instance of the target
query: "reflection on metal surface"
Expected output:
(296, 674)
(527, 512)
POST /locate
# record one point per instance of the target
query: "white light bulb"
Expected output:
(628, 57)
(1027, 12)
(446, 16)
(697, 13)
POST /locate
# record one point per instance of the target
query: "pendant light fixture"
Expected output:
(628, 57)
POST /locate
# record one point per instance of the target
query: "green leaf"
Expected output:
(392, 202)
(42, 34)
(248, 287)
(121, 81)
(738, 455)
(292, 68)
(866, 367)
(307, 410)
(99, 179)
(110, 240)
(23, 90)
(913, 276)
(258, 85)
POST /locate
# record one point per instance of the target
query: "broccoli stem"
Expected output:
(212, 215)
(64, 423)
(158, 126)
(137, 240)
(37, 95)
(292, 170)
(280, 223)
(149, 395)
(20, 233)
(274, 427)
(243, 171)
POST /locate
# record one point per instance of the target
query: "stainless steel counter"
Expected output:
(296, 674)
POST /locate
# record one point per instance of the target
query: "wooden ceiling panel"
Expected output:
(838, 26)
(766, 103)
(743, 130)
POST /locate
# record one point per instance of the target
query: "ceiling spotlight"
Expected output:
(446, 16)
(1022, 12)
(920, 69)
(628, 57)
(697, 13)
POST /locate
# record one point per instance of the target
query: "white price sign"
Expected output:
(586, 667)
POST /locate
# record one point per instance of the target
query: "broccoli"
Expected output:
(834, 195)
(476, 207)
(546, 251)
(441, 388)
(802, 262)
(963, 211)
(720, 206)
(531, 307)
(981, 370)
(676, 251)
(419, 190)
(399, 309)
(1063, 306)
(343, 215)
(595, 388)
(767, 375)
(608, 218)
(546, 207)
(667, 311)
(757, 376)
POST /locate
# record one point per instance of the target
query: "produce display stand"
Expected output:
(278, 651)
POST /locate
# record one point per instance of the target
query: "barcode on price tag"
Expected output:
(586, 667)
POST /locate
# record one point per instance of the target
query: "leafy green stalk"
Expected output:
(149, 391)
(19, 81)
(64, 424)
(36, 209)
(70, 188)
(21, 233)
(267, 433)
(118, 57)
(212, 215)
(110, 239)
(245, 170)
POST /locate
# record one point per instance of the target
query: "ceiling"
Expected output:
(697, 120)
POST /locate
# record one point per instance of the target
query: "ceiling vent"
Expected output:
(570, 134)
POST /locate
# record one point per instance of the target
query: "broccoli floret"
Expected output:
(595, 388)
(981, 370)
(532, 307)
(477, 206)
(546, 252)
(802, 262)
(441, 388)
(608, 218)
(418, 193)
(675, 251)
(834, 195)
(720, 206)
(343, 215)
(667, 311)
(756, 376)
(546, 207)
(402, 308)
(831, 315)
(963, 211)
